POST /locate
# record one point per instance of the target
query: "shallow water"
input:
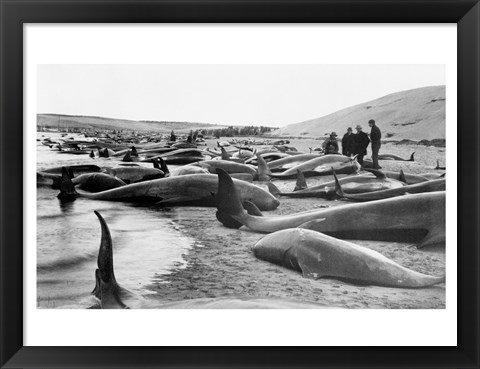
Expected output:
(146, 242)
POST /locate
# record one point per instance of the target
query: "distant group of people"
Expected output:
(356, 143)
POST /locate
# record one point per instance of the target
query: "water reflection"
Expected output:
(146, 245)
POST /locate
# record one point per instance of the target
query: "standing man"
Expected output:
(347, 142)
(375, 136)
(360, 144)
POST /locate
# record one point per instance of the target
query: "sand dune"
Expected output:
(413, 114)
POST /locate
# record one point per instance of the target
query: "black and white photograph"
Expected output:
(241, 186)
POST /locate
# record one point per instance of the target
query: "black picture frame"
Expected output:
(15, 13)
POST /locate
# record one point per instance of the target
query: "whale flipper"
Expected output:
(230, 222)
(376, 172)
(252, 209)
(273, 189)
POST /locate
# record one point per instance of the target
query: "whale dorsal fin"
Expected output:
(338, 186)
(67, 189)
(155, 163)
(228, 200)
(127, 157)
(106, 287)
(264, 173)
(301, 183)
(225, 155)
(402, 176)
(163, 165)
(412, 157)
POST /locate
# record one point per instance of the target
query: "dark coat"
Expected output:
(375, 134)
(360, 143)
(347, 144)
(330, 146)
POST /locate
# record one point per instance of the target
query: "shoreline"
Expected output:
(221, 264)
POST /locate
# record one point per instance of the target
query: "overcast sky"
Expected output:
(271, 95)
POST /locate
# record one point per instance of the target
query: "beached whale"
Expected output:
(195, 189)
(134, 174)
(322, 166)
(110, 295)
(407, 178)
(395, 157)
(428, 186)
(261, 173)
(227, 165)
(52, 177)
(411, 218)
(290, 162)
(317, 255)
(351, 184)
(97, 182)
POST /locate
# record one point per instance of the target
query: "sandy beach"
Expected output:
(221, 263)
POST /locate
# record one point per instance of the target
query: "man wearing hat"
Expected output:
(360, 144)
(375, 136)
(330, 145)
(347, 142)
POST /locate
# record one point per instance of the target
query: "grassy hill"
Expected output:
(413, 114)
(76, 121)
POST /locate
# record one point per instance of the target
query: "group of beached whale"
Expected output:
(382, 205)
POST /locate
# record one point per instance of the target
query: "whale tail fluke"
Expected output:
(338, 186)
(412, 157)
(264, 173)
(301, 183)
(67, 189)
(273, 190)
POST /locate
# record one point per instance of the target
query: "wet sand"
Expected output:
(221, 263)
